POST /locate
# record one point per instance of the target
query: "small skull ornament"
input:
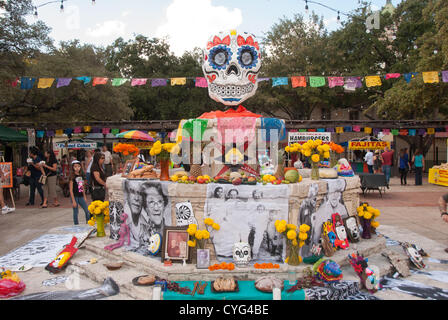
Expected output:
(352, 229)
(231, 64)
(155, 242)
(241, 254)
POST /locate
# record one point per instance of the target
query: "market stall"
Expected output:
(439, 175)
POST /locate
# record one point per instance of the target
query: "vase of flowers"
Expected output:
(100, 215)
(367, 216)
(294, 240)
(198, 238)
(128, 151)
(315, 151)
(335, 149)
(163, 155)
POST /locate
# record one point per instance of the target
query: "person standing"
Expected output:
(36, 172)
(88, 165)
(116, 163)
(404, 165)
(387, 160)
(368, 158)
(98, 177)
(50, 167)
(443, 200)
(77, 191)
(419, 162)
(107, 161)
(377, 162)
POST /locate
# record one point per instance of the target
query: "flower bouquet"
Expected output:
(315, 151)
(163, 153)
(128, 151)
(100, 216)
(294, 239)
(199, 237)
(335, 149)
(367, 216)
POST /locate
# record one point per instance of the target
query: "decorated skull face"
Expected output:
(232, 61)
(116, 210)
(352, 229)
(155, 242)
(241, 254)
(414, 256)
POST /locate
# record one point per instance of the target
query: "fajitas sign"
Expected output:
(373, 145)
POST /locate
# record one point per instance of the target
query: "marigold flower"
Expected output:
(375, 224)
(291, 234)
(315, 158)
(303, 236)
(208, 221)
(367, 215)
(291, 226)
(192, 243)
(216, 226)
(294, 243)
(304, 228)
(198, 234)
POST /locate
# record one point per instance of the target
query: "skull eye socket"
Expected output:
(246, 252)
(220, 58)
(246, 58)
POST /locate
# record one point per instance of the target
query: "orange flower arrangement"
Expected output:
(126, 149)
(266, 266)
(336, 147)
(223, 265)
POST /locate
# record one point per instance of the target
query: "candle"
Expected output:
(276, 294)
(156, 293)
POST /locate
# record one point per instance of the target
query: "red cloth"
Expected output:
(240, 112)
(387, 157)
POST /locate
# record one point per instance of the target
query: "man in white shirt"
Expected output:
(107, 161)
(369, 159)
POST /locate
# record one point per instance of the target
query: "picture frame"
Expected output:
(6, 180)
(203, 258)
(129, 166)
(175, 245)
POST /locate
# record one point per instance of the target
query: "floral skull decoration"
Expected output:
(232, 61)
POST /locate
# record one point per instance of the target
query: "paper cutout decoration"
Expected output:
(77, 130)
(116, 82)
(320, 129)
(45, 83)
(158, 82)
(373, 81)
(430, 131)
(412, 132)
(98, 81)
(14, 82)
(86, 80)
(421, 132)
(367, 130)
(59, 132)
(200, 82)
(352, 83)
(115, 131)
(409, 76)
(392, 76)
(27, 83)
(356, 128)
(50, 133)
(445, 76)
(279, 81)
(87, 128)
(330, 130)
(431, 77)
(68, 131)
(386, 131)
(263, 79)
(105, 130)
(376, 131)
(184, 214)
(40, 134)
(339, 129)
(63, 82)
(312, 130)
(403, 132)
(317, 82)
(178, 81)
(298, 82)
(302, 130)
(395, 132)
(335, 82)
(138, 82)
(348, 129)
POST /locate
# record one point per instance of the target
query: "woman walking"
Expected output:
(419, 163)
(50, 167)
(404, 165)
(77, 191)
(377, 162)
(98, 177)
(36, 172)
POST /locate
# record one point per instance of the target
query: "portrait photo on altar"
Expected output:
(175, 244)
(247, 214)
(149, 209)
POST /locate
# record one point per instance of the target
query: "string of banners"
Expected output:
(367, 130)
(349, 83)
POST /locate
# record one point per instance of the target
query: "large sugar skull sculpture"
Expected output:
(232, 61)
(241, 254)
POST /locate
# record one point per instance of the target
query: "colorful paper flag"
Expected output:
(421, 132)
(317, 82)
(395, 132)
(263, 79)
(339, 129)
(335, 82)
(409, 76)
(115, 131)
(27, 83)
(367, 130)
(320, 129)
(302, 130)
(86, 80)
(431, 77)
(445, 76)
(412, 132)
(105, 130)
(138, 82)
(59, 132)
(386, 131)
(77, 130)
(200, 82)
(50, 133)
(376, 131)
(63, 82)
(96, 130)
(373, 81)
(87, 128)
(403, 132)
(348, 129)
(116, 82)
(40, 134)
(311, 130)
(45, 83)
(158, 82)
(283, 81)
(68, 131)
(392, 76)
(330, 130)
(298, 82)
(431, 131)
(14, 82)
(357, 128)
(178, 81)
(98, 81)
(352, 83)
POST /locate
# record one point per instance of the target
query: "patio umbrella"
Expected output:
(135, 134)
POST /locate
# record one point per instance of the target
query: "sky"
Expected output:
(185, 23)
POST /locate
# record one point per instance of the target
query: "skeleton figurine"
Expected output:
(414, 255)
(124, 234)
(241, 254)
(232, 61)
(341, 234)
(116, 210)
(351, 226)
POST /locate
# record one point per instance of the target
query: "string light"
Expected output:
(62, 6)
(35, 12)
(306, 6)
(93, 2)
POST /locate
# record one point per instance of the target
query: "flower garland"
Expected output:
(126, 149)
(266, 266)
(200, 237)
(223, 266)
(294, 238)
(97, 208)
(369, 213)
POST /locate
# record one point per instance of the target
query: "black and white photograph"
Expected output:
(247, 214)
(306, 212)
(185, 214)
(203, 258)
(149, 209)
(115, 212)
(333, 203)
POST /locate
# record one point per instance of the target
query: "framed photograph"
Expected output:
(175, 244)
(6, 174)
(203, 258)
(129, 166)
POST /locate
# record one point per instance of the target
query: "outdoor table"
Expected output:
(371, 181)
